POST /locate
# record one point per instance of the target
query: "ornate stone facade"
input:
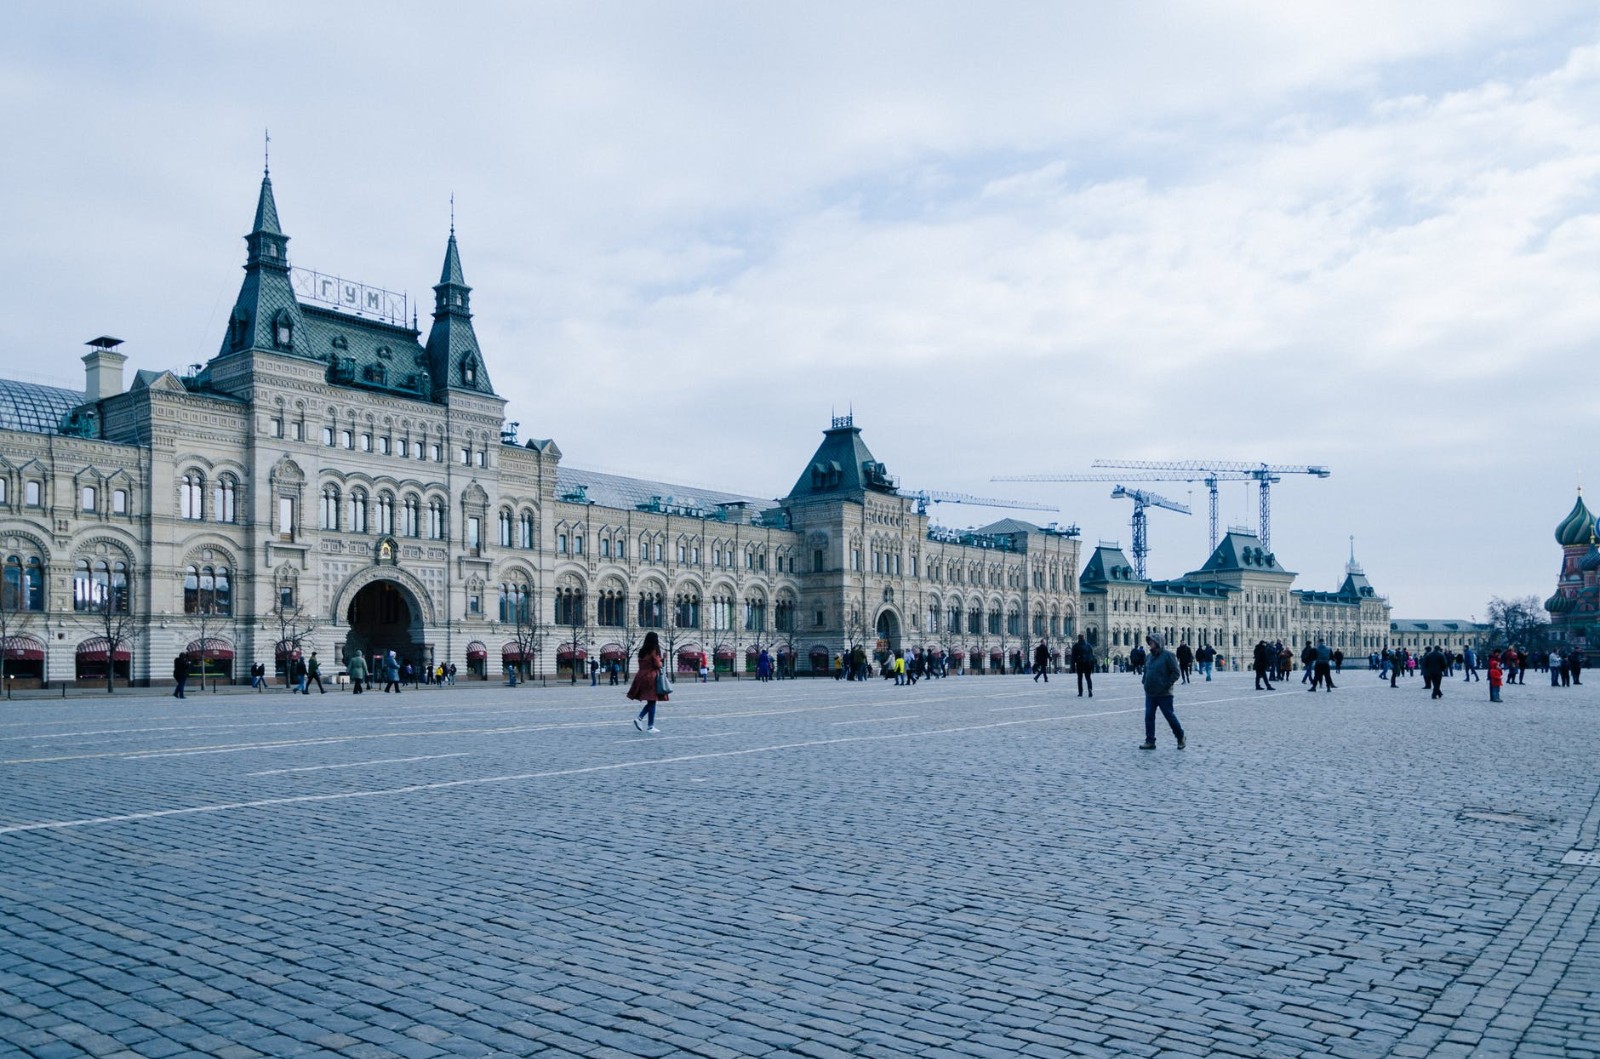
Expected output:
(331, 481)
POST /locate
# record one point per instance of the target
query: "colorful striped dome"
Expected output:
(1577, 528)
(1559, 604)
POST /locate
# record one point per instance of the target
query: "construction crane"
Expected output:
(1142, 500)
(1211, 472)
(924, 497)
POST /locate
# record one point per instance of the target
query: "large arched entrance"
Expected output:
(385, 617)
(888, 632)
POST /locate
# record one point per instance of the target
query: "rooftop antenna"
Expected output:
(452, 213)
(266, 152)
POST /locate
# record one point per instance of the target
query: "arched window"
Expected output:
(207, 590)
(191, 496)
(283, 331)
(330, 507)
(358, 511)
(436, 519)
(569, 606)
(611, 608)
(100, 586)
(410, 523)
(469, 367)
(686, 611)
(224, 499)
(651, 615)
(525, 530)
(514, 604)
(385, 513)
(755, 614)
(505, 529)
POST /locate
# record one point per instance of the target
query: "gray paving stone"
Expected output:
(803, 867)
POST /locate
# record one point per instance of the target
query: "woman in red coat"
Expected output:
(649, 683)
(1495, 678)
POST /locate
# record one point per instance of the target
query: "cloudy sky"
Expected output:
(1012, 240)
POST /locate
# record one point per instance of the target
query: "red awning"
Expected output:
(959, 656)
(819, 652)
(996, 654)
(23, 649)
(565, 654)
(724, 653)
(612, 653)
(221, 650)
(476, 652)
(512, 654)
(96, 650)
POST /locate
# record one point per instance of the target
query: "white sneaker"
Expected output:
(654, 730)
(637, 724)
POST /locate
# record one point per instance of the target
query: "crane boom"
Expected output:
(924, 497)
(1214, 471)
(1141, 501)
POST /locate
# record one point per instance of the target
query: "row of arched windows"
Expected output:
(362, 514)
(224, 498)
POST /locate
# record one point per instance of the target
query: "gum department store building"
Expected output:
(330, 480)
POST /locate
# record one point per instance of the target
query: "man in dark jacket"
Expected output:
(1185, 656)
(1160, 674)
(1041, 662)
(1083, 664)
(1263, 662)
(180, 674)
(1433, 666)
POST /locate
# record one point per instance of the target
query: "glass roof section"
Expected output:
(35, 408)
(611, 490)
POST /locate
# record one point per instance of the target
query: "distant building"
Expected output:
(1239, 596)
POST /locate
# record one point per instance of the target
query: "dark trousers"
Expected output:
(1263, 674)
(1152, 703)
(177, 692)
(317, 680)
(1085, 676)
(648, 714)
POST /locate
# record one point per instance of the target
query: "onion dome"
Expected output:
(1577, 528)
(1559, 604)
(1590, 561)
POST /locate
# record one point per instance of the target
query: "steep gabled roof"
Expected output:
(1107, 563)
(843, 466)
(1240, 552)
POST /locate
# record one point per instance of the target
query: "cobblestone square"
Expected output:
(978, 866)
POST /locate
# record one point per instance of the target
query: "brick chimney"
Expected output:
(103, 369)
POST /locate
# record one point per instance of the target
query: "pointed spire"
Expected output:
(451, 275)
(266, 220)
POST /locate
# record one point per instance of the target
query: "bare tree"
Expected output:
(527, 631)
(295, 624)
(1519, 622)
(109, 612)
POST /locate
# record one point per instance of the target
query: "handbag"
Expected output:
(663, 687)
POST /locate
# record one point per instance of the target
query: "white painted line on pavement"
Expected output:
(357, 764)
(878, 720)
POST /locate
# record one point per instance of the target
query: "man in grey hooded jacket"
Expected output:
(1160, 674)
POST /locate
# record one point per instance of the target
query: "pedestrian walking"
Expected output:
(649, 684)
(1433, 667)
(180, 675)
(1185, 656)
(357, 667)
(1322, 661)
(1469, 663)
(1206, 657)
(1041, 662)
(314, 672)
(391, 673)
(301, 674)
(1083, 664)
(1263, 660)
(1160, 674)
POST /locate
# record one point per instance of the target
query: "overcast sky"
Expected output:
(1012, 239)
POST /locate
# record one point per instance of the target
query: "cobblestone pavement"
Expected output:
(974, 866)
